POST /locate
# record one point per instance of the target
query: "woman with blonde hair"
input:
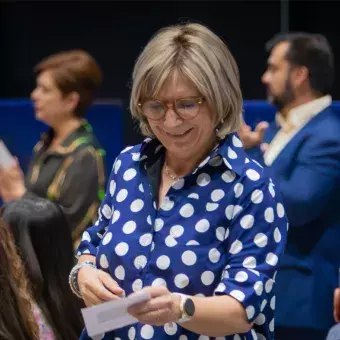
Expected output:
(187, 216)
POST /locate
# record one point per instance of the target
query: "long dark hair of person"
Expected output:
(43, 236)
(16, 315)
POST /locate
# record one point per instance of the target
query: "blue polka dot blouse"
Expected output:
(219, 230)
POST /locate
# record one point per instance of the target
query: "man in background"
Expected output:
(301, 150)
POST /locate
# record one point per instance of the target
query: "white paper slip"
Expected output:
(6, 159)
(112, 314)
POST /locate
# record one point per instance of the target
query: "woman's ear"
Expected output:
(72, 101)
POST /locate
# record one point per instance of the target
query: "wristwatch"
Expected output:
(187, 308)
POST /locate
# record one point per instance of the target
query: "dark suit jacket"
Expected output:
(307, 172)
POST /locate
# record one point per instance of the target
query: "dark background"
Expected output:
(115, 32)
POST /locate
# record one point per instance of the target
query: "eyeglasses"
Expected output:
(186, 108)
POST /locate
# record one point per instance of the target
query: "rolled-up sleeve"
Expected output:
(92, 236)
(254, 242)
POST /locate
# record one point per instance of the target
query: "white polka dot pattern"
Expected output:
(277, 235)
(178, 184)
(117, 166)
(170, 241)
(132, 333)
(253, 175)
(271, 259)
(129, 174)
(203, 180)
(241, 276)
(187, 210)
(269, 215)
(129, 227)
(121, 196)
(247, 221)
(217, 195)
(159, 223)
(137, 205)
(228, 176)
(140, 261)
(145, 240)
(159, 282)
(207, 278)
(236, 142)
(214, 255)
(250, 310)
(261, 240)
(189, 258)
(170, 328)
(202, 226)
(280, 210)
(137, 285)
(122, 248)
(112, 187)
(271, 189)
(115, 216)
(177, 231)
(106, 211)
(211, 206)
(86, 237)
(238, 189)
(120, 272)
(147, 332)
(107, 239)
(103, 261)
(181, 281)
(216, 161)
(257, 196)
(231, 153)
(163, 262)
(237, 294)
(218, 231)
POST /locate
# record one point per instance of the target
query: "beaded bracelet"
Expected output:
(73, 277)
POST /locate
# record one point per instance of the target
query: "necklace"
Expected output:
(170, 173)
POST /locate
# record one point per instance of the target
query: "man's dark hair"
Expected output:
(312, 51)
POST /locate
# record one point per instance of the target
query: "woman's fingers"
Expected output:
(93, 285)
(110, 283)
(91, 299)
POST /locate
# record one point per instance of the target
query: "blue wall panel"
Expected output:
(20, 131)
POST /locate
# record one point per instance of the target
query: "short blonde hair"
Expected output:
(201, 56)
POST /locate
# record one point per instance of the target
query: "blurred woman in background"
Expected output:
(67, 165)
(16, 316)
(41, 233)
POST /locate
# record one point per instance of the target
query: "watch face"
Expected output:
(189, 307)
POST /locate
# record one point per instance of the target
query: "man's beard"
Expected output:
(284, 99)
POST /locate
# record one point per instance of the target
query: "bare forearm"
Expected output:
(218, 316)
